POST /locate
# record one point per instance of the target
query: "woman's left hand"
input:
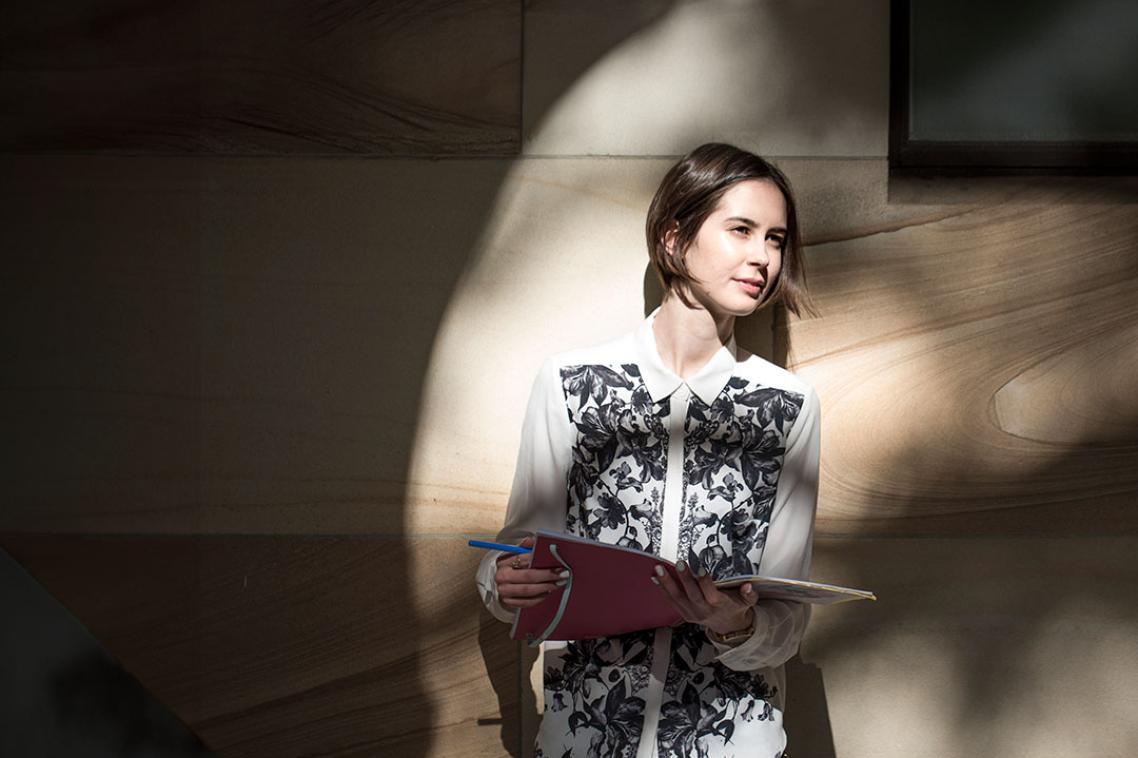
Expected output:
(699, 601)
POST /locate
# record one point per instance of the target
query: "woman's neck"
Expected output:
(687, 337)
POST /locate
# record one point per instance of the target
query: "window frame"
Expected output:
(975, 157)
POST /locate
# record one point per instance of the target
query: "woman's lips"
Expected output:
(751, 286)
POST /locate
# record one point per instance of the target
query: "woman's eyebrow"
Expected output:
(749, 222)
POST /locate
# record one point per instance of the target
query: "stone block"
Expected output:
(263, 78)
(658, 78)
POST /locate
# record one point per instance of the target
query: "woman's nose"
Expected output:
(757, 254)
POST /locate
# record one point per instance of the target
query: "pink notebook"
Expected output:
(610, 591)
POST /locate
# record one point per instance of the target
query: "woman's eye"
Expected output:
(744, 230)
(780, 241)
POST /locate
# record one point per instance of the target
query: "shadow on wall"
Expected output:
(101, 705)
(62, 695)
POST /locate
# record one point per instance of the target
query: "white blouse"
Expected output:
(720, 470)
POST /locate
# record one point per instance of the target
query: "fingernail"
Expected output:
(561, 583)
(681, 567)
(655, 581)
(701, 572)
(747, 589)
(659, 572)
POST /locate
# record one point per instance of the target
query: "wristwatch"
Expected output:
(733, 638)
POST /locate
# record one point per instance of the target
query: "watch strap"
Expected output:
(733, 638)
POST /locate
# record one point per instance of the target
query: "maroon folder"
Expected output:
(610, 591)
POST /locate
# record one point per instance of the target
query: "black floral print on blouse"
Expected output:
(704, 701)
(597, 682)
(616, 479)
(733, 453)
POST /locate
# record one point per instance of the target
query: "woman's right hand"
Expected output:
(519, 586)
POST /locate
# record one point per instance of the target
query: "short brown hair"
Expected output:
(691, 191)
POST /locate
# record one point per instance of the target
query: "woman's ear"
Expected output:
(670, 237)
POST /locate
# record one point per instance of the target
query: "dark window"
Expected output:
(1015, 86)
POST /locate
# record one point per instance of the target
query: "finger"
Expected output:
(531, 576)
(748, 594)
(691, 589)
(717, 598)
(525, 590)
(523, 559)
(675, 594)
(712, 595)
(509, 575)
(520, 602)
(517, 560)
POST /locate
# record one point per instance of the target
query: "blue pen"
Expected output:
(496, 546)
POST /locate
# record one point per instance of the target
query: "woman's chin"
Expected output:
(740, 308)
(721, 307)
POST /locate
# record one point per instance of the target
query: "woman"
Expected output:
(674, 441)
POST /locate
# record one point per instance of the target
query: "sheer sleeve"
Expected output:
(538, 495)
(779, 625)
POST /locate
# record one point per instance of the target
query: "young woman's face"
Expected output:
(736, 257)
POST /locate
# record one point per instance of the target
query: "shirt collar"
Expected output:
(661, 381)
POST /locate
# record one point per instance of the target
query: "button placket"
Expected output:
(669, 545)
